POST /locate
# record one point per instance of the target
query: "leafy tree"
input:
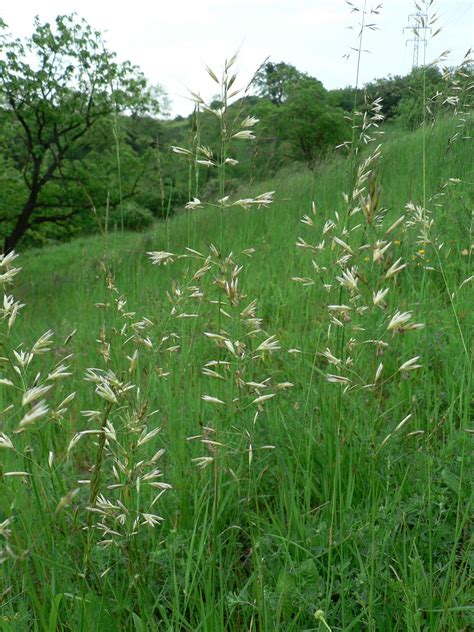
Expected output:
(346, 97)
(423, 87)
(276, 81)
(296, 110)
(391, 90)
(56, 87)
(267, 155)
(310, 123)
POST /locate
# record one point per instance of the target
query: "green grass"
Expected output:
(377, 536)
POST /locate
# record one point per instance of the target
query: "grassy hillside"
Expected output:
(322, 498)
(275, 229)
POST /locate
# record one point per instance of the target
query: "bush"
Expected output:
(152, 201)
(131, 216)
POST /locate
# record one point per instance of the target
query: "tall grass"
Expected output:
(250, 434)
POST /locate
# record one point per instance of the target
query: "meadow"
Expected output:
(256, 415)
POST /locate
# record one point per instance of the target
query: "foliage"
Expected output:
(299, 124)
(131, 216)
(309, 123)
(391, 90)
(421, 96)
(345, 98)
(276, 81)
(112, 149)
(56, 87)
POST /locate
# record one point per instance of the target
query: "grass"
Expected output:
(309, 501)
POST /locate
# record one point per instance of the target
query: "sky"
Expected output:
(172, 40)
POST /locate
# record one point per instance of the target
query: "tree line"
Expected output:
(80, 130)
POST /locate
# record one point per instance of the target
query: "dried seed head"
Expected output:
(39, 410)
(161, 258)
(411, 365)
(212, 400)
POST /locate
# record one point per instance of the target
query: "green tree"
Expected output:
(310, 123)
(422, 96)
(391, 90)
(55, 87)
(345, 98)
(276, 81)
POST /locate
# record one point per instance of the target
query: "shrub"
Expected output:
(131, 216)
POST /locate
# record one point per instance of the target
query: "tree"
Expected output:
(391, 90)
(346, 98)
(421, 96)
(310, 123)
(276, 81)
(55, 87)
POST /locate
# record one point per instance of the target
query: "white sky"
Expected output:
(172, 40)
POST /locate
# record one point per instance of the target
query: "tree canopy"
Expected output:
(299, 111)
(275, 81)
(56, 86)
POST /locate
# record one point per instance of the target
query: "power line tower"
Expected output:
(418, 27)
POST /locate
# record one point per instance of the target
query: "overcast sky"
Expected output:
(171, 40)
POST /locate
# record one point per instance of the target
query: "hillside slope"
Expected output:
(291, 493)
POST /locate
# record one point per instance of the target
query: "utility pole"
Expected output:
(418, 27)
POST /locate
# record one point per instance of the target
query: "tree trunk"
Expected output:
(22, 223)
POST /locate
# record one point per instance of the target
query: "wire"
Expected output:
(457, 17)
